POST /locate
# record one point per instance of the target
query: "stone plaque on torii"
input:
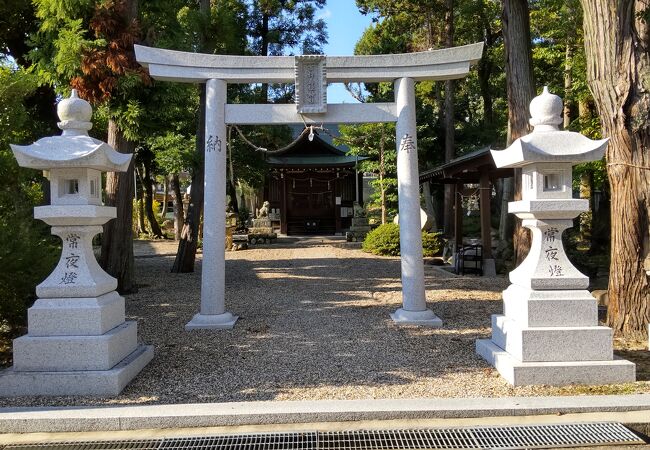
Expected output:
(311, 74)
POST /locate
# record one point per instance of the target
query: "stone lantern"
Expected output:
(549, 332)
(78, 342)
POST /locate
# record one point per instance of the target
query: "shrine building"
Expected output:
(311, 187)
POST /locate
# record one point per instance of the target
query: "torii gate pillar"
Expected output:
(414, 307)
(213, 314)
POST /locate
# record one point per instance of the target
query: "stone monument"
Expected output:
(360, 225)
(78, 342)
(261, 230)
(549, 332)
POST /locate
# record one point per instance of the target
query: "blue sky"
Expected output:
(345, 25)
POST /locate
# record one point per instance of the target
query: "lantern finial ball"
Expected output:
(74, 115)
(546, 111)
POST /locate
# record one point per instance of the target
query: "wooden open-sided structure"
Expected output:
(475, 168)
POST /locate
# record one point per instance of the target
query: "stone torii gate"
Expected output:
(311, 74)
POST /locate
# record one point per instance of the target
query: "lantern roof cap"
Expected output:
(548, 144)
(546, 111)
(74, 148)
(74, 114)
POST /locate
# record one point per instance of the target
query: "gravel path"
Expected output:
(314, 324)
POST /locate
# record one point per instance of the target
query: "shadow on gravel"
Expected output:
(642, 360)
(305, 324)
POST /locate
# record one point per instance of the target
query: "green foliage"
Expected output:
(27, 255)
(432, 244)
(377, 142)
(62, 35)
(136, 207)
(27, 251)
(174, 152)
(249, 165)
(384, 241)
(16, 21)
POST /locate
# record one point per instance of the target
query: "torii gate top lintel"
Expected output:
(311, 74)
(442, 64)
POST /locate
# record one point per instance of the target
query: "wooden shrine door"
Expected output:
(311, 204)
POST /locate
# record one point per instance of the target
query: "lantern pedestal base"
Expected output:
(98, 383)
(520, 373)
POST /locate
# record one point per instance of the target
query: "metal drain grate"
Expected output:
(505, 437)
(145, 444)
(260, 441)
(398, 439)
(493, 437)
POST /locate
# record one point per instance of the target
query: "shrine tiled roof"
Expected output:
(316, 152)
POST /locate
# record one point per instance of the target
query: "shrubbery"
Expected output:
(137, 204)
(28, 252)
(432, 243)
(384, 241)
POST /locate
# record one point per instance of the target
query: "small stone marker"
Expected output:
(549, 331)
(78, 342)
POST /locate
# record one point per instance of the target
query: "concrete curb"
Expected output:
(85, 419)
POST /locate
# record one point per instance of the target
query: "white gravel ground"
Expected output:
(314, 324)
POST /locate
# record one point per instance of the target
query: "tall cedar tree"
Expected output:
(189, 238)
(450, 150)
(102, 68)
(521, 90)
(275, 25)
(617, 44)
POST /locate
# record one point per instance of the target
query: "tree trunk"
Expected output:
(142, 228)
(505, 220)
(568, 85)
(148, 185)
(242, 197)
(617, 46)
(232, 185)
(265, 52)
(178, 206)
(163, 209)
(485, 67)
(188, 243)
(186, 253)
(572, 11)
(384, 211)
(117, 238)
(586, 188)
(521, 90)
(484, 73)
(449, 117)
(382, 172)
